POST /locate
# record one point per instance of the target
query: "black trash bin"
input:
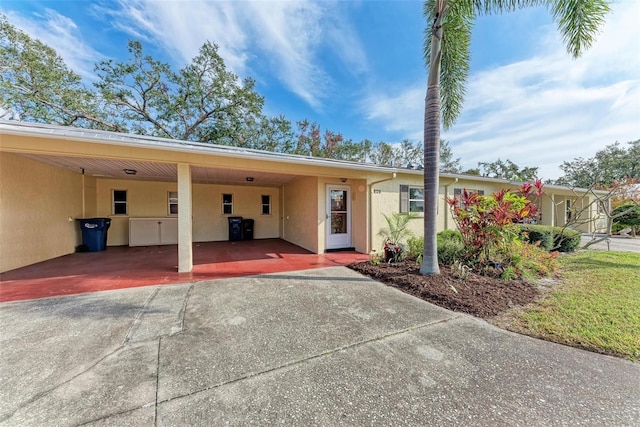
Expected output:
(247, 229)
(235, 228)
(94, 233)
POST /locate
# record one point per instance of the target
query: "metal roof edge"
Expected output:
(516, 183)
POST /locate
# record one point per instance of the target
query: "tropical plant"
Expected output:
(487, 222)
(447, 56)
(395, 234)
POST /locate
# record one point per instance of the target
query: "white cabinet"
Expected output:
(153, 231)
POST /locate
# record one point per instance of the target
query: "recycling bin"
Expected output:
(247, 229)
(235, 228)
(94, 233)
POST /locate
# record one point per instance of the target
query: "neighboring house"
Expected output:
(161, 191)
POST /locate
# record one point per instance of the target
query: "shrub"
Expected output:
(415, 246)
(487, 222)
(450, 251)
(524, 260)
(450, 235)
(531, 233)
(566, 239)
(630, 219)
(450, 246)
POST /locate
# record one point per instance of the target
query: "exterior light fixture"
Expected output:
(249, 179)
(343, 179)
(130, 171)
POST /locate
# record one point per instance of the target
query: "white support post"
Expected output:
(185, 240)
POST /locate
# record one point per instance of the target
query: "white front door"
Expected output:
(338, 217)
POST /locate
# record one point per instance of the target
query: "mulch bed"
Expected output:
(477, 295)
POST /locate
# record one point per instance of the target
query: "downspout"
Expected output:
(282, 204)
(446, 205)
(83, 195)
(370, 236)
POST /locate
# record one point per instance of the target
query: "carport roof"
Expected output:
(11, 127)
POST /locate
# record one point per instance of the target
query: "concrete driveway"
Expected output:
(615, 243)
(318, 347)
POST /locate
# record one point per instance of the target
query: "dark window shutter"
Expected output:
(404, 199)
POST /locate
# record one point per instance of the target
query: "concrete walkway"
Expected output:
(319, 347)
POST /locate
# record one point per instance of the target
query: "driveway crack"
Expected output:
(313, 357)
(138, 318)
(43, 393)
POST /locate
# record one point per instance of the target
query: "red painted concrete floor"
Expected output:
(121, 267)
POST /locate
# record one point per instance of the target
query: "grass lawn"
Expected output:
(597, 306)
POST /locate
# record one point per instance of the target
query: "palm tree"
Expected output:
(446, 52)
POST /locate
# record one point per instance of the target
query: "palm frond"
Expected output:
(579, 21)
(456, 58)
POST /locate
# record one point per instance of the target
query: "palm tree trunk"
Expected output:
(432, 155)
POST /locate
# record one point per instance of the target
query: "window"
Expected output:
(411, 199)
(119, 198)
(457, 193)
(173, 202)
(602, 206)
(227, 204)
(568, 212)
(266, 205)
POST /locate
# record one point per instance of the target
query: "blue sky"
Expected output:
(356, 67)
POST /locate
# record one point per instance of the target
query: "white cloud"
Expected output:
(401, 112)
(285, 37)
(544, 110)
(63, 35)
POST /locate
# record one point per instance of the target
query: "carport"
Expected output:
(53, 175)
(127, 267)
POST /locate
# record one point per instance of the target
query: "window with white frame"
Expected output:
(411, 199)
(173, 202)
(266, 205)
(227, 204)
(120, 205)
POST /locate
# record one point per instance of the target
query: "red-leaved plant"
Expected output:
(487, 222)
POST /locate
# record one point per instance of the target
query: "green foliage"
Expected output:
(400, 155)
(447, 162)
(415, 246)
(631, 217)
(507, 170)
(488, 240)
(395, 234)
(450, 235)
(451, 251)
(550, 238)
(489, 221)
(396, 230)
(541, 235)
(201, 102)
(523, 260)
(566, 239)
(37, 85)
(450, 247)
(614, 163)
